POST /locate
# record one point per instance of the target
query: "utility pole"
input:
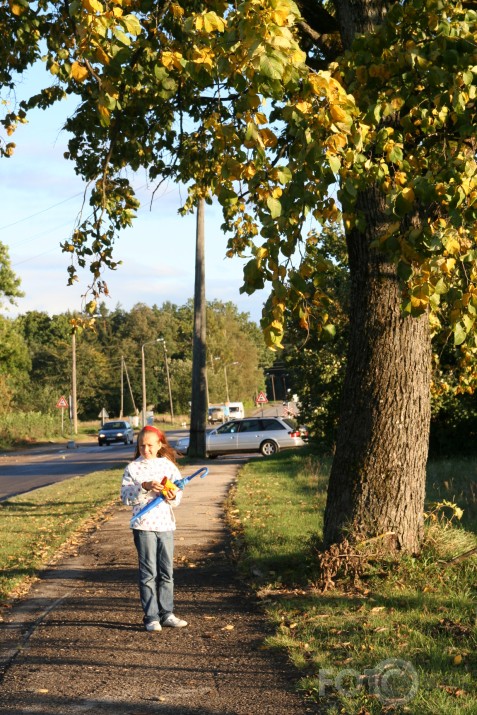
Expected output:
(121, 409)
(74, 407)
(143, 371)
(198, 416)
(130, 389)
(161, 340)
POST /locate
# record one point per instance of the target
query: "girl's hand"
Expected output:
(152, 486)
(169, 494)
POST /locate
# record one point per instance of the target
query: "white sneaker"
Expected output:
(153, 626)
(173, 622)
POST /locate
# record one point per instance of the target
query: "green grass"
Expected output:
(414, 620)
(35, 525)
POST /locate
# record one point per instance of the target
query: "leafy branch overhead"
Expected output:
(258, 105)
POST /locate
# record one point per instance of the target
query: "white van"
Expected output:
(236, 411)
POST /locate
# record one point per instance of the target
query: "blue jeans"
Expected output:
(155, 550)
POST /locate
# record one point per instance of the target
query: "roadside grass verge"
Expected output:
(401, 640)
(35, 525)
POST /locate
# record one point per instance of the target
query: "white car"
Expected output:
(267, 435)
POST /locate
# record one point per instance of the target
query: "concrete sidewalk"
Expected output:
(76, 643)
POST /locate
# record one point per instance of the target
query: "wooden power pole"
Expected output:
(198, 418)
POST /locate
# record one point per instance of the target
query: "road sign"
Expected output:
(62, 402)
(261, 398)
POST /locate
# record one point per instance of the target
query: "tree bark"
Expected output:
(198, 419)
(377, 479)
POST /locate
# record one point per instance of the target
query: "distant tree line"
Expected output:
(36, 359)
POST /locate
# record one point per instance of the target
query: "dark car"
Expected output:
(267, 435)
(117, 431)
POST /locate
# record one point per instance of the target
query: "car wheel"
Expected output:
(100, 443)
(268, 448)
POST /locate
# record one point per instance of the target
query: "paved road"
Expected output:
(35, 467)
(39, 466)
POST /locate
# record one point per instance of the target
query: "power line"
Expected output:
(27, 218)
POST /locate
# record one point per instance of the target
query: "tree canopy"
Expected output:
(267, 109)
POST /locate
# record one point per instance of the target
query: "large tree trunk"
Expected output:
(378, 474)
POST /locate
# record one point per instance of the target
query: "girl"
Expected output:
(154, 532)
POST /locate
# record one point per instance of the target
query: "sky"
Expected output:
(41, 197)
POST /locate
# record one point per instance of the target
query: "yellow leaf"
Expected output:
(104, 113)
(78, 72)
(319, 84)
(338, 114)
(408, 194)
(304, 107)
(171, 59)
(102, 56)
(260, 118)
(418, 302)
(228, 628)
(203, 56)
(336, 142)
(17, 9)
(453, 246)
(213, 22)
(177, 11)
(93, 6)
(268, 137)
(457, 659)
(297, 56)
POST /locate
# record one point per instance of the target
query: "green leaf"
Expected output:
(132, 24)
(274, 206)
(395, 155)
(284, 174)
(335, 164)
(459, 334)
(328, 332)
(271, 67)
(121, 36)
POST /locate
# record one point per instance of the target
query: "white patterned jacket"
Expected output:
(161, 517)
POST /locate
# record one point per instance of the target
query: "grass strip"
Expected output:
(404, 639)
(35, 525)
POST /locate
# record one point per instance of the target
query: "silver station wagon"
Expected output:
(267, 435)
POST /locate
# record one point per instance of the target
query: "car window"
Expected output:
(228, 428)
(291, 423)
(114, 425)
(272, 425)
(251, 426)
